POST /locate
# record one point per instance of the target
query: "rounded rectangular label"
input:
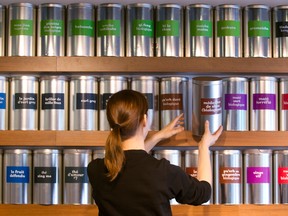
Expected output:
(257, 175)
(171, 102)
(235, 102)
(211, 106)
(229, 175)
(264, 102)
(2, 101)
(283, 175)
(25, 101)
(17, 174)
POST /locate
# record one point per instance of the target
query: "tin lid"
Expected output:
(21, 5)
(283, 152)
(105, 5)
(228, 152)
(46, 151)
(81, 77)
(24, 77)
(17, 151)
(169, 5)
(174, 79)
(233, 6)
(208, 6)
(235, 79)
(145, 78)
(258, 151)
(80, 5)
(52, 5)
(140, 5)
(207, 80)
(280, 7)
(77, 151)
(257, 6)
(283, 79)
(53, 78)
(113, 78)
(3, 78)
(264, 78)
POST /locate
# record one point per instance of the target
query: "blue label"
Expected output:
(86, 101)
(2, 101)
(17, 174)
(25, 101)
(53, 101)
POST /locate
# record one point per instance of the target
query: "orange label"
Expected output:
(192, 171)
(229, 175)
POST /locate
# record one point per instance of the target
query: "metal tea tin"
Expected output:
(280, 177)
(283, 103)
(140, 30)
(257, 176)
(77, 189)
(257, 31)
(51, 30)
(24, 103)
(236, 104)
(2, 30)
(110, 30)
(199, 30)
(228, 31)
(228, 177)
(107, 87)
(264, 104)
(17, 178)
(149, 86)
(47, 172)
(4, 94)
(169, 30)
(21, 29)
(81, 29)
(206, 103)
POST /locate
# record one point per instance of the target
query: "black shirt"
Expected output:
(144, 186)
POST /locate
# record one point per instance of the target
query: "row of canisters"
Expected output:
(79, 102)
(196, 30)
(53, 176)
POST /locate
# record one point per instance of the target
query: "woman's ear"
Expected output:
(145, 120)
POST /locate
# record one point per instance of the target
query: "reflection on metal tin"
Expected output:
(2, 30)
(4, 93)
(283, 103)
(98, 153)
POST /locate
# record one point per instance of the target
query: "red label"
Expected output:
(171, 102)
(283, 175)
(284, 101)
(192, 171)
(229, 175)
(211, 106)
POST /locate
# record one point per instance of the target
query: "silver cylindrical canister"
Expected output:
(169, 30)
(2, 30)
(84, 103)
(140, 30)
(17, 184)
(280, 31)
(24, 103)
(173, 99)
(236, 104)
(264, 104)
(149, 86)
(228, 31)
(81, 29)
(54, 103)
(110, 30)
(280, 177)
(257, 31)
(257, 176)
(107, 87)
(228, 177)
(206, 103)
(47, 172)
(21, 29)
(4, 94)
(51, 30)
(199, 30)
(77, 189)
(283, 103)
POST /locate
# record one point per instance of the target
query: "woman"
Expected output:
(131, 182)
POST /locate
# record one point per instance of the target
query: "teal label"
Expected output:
(108, 28)
(21, 27)
(82, 27)
(228, 28)
(52, 27)
(168, 28)
(143, 28)
(201, 28)
(259, 29)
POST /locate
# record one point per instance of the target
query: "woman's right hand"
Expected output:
(208, 139)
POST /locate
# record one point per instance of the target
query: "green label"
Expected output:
(82, 27)
(21, 27)
(168, 28)
(259, 29)
(201, 28)
(108, 28)
(142, 28)
(52, 27)
(228, 28)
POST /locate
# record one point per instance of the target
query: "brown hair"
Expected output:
(125, 111)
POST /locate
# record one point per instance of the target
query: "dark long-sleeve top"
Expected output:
(144, 186)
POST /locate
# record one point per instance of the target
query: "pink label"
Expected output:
(283, 175)
(284, 101)
(235, 102)
(264, 102)
(256, 175)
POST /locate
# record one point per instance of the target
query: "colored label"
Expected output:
(201, 28)
(284, 101)
(259, 28)
(143, 28)
(283, 175)
(281, 29)
(108, 28)
(17, 174)
(21, 27)
(25, 101)
(87, 101)
(257, 175)
(2, 101)
(192, 171)
(45, 175)
(235, 102)
(228, 28)
(211, 106)
(264, 102)
(52, 101)
(52, 27)
(168, 28)
(104, 99)
(229, 175)
(76, 175)
(150, 100)
(171, 102)
(82, 27)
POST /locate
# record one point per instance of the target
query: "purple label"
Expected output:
(235, 102)
(264, 101)
(256, 175)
